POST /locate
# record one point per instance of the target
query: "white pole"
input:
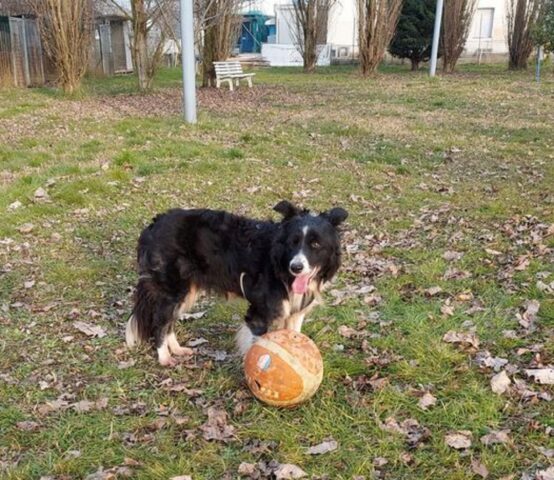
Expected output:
(188, 61)
(539, 58)
(436, 36)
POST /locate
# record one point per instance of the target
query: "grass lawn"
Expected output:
(449, 185)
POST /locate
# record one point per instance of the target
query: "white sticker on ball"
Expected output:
(264, 362)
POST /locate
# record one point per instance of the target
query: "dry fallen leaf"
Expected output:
(347, 332)
(479, 468)
(410, 428)
(287, 471)
(486, 360)
(459, 440)
(28, 425)
(15, 205)
(465, 339)
(324, 447)
(87, 405)
(451, 255)
(246, 469)
(193, 316)
(126, 364)
(528, 317)
(544, 376)
(495, 437)
(183, 388)
(111, 473)
(89, 329)
(379, 462)
(431, 292)
(52, 406)
(428, 400)
(547, 474)
(500, 382)
(216, 427)
(196, 342)
(40, 194)
(547, 452)
(26, 228)
(181, 477)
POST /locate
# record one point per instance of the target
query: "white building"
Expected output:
(487, 37)
(489, 30)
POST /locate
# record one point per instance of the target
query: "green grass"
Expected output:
(458, 163)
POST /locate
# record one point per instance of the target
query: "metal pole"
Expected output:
(188, 61)
(539, 58)
(436, 35)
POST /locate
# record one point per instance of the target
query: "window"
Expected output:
(482, 23)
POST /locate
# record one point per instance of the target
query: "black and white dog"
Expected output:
(279, 268)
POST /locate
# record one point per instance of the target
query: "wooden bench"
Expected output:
(229, 71)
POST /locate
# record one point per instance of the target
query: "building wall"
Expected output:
(489, 29)
(487, 37)
(343, 28)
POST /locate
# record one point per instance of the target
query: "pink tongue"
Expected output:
(300, 284)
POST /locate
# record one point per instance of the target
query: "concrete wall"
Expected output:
(279, 55)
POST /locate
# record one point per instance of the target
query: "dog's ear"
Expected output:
(287, 209)
(335, 216)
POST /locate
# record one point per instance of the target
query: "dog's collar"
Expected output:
(241, 281)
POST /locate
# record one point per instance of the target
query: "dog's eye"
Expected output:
(295, 240)
(315, 244)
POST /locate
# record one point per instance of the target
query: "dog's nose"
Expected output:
(296, 267)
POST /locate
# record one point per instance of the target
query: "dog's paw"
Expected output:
(168, 362)
(182, 351)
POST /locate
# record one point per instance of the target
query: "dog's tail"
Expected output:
(141, 323)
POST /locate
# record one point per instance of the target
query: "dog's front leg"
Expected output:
(295, 321)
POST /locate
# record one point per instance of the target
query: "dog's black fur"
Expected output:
(183, 252)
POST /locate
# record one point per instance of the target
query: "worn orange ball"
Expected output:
(283, 368)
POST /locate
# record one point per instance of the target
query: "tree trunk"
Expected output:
(310, 49)
(376, 26)
(220, 35)
(415, 64)
(141, 59)
(457, 18)
(140, 44)
(522, 17)
(208, 69)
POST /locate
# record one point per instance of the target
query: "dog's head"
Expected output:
(307, 246)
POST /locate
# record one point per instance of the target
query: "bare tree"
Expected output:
(309, 29)
(523, 15)
(377, 21)
(15, 7)
(218, 24)
(456, 22)
(65, 27)
(149, 20)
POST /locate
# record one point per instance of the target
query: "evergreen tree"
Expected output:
(414, 32)
(543, 33)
